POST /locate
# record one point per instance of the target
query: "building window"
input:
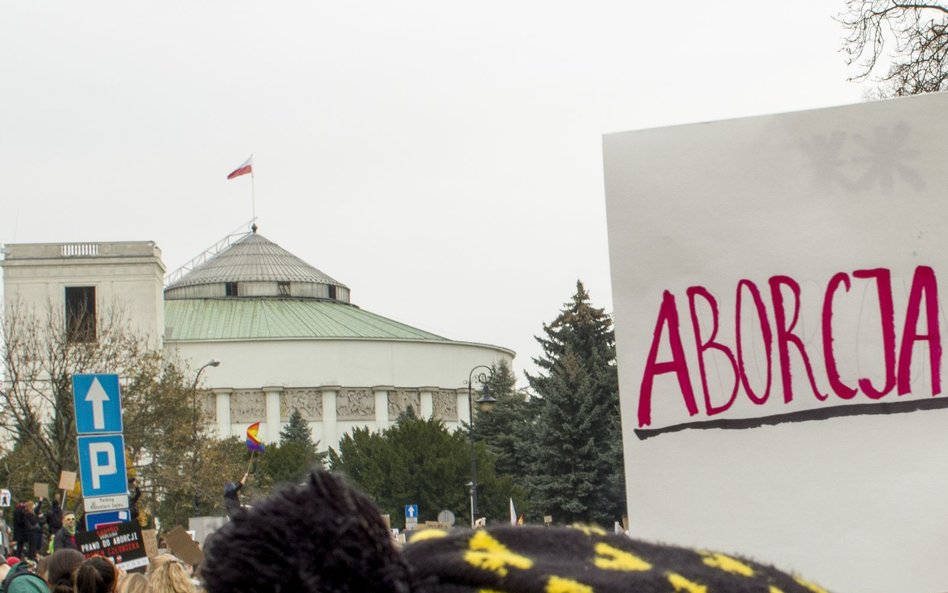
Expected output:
(332, 292)
(230, 289)
(80, 314)
(283, 288)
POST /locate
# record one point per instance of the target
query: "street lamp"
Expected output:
(194, 458)
(485, 403)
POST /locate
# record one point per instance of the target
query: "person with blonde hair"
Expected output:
(168, 574)
(134, 582)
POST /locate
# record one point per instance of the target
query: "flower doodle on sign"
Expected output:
(886, 158)
(856, 163)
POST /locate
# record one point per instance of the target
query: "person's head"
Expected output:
(28, 506)
(69, 521)
(42, 566)
(134, 582)
(59, 570)
(95, 575)
(168, 574)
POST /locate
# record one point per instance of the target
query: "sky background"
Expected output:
(443, 160)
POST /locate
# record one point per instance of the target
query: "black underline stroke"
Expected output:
(870, 409)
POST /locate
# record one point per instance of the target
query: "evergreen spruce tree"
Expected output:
(297, 430)
(292, 459)
(578, 471)
(508, 429)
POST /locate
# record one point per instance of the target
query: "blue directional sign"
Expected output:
(102, 465)
(411, 511)
(98, 404)
(94, 520)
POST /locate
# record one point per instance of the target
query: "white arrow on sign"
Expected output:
(97, 397)
(411, 511)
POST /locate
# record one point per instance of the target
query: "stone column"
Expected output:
(381, 404)
(464, 408)
(224, 425)
(427, 402)
(329, 416)
(274, 425)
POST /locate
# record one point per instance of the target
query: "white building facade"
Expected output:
(286, 335)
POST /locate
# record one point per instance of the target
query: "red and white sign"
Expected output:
(778, 285)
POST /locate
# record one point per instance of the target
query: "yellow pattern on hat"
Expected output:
(680, 583)
(727, 564)
(811, 586)
(487, 553)
(561, 585)
(609, 558)
(427, 534)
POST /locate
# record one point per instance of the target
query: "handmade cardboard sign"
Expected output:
(67, 480)
(40, 490)
(183, 546)
(777, 284)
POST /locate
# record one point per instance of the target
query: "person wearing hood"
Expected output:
(21, 579)
(65, 538)
(232, 496)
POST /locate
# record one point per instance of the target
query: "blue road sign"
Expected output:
(102, 465)
(94, 520)
(98, 404)
(411, 511)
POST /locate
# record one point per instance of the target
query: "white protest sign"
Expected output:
(779, 285)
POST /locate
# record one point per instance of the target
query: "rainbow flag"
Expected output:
(253, 442)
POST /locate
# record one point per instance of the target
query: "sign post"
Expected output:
(411, 517)
(98, 405)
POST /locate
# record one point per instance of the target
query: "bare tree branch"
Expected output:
(916, 34)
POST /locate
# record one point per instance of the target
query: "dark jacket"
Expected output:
(19, 523)
(64, 540)
(54, 518)
(232, 497)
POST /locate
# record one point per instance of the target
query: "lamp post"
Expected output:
(485, 403)
(194, 457)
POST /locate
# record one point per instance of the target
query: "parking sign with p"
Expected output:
(98, 405)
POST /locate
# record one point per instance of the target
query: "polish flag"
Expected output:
(245, 168)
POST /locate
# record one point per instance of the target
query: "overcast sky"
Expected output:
(441, 159)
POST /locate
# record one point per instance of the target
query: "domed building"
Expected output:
(286, 336)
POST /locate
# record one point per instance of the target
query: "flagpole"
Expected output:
(249, 465)
(253, 199)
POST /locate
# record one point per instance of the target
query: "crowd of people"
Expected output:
(324, 536)
(43, 527)
(68, 571)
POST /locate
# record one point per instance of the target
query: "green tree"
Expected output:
(916, 34)
(418, 461)
(167, 446)
(508, 430)
(291, 460)
(578, 471)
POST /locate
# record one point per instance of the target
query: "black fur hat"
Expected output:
(325, 537)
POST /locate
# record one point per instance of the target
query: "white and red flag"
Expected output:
(245, 168)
